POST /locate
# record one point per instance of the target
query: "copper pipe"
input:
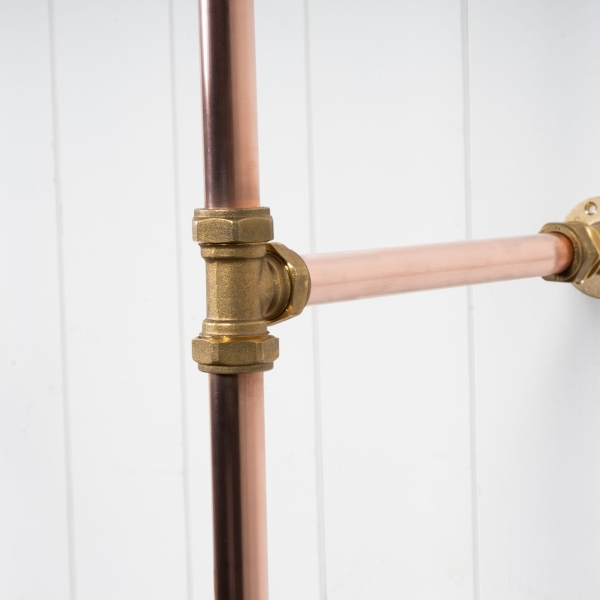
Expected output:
(229, 103)
(238, 468)
(343, 276)
(236, 401)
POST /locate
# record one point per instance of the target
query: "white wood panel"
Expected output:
(189, 174)
(123, 346)
(535, 94)
(33, 501)
(388, 116)
(388, 136)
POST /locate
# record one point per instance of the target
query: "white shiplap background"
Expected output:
(440, 445)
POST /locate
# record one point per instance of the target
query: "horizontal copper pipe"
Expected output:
(352, 275)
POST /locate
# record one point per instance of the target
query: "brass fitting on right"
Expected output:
(250, 284)
(586, 250)
(582, 228)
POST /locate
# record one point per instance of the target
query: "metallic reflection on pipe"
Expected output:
(229, 103)
(238, 472)
(343, 276)
(237, 418)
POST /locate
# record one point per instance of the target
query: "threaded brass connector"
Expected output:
(582, 228)
(250, 284)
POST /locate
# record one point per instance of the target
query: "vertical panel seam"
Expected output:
(320, 487)
(180, 307)
(470, 298)
(319, 483)
(69, 494)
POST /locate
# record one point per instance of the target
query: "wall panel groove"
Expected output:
(183, 338)
(470, 301)
(61, 293)
(310, 151)
(34, 503)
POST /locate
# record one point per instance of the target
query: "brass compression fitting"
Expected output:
(582, 228)
(250, 284)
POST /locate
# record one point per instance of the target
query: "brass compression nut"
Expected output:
(232, 226)
(250, 284)
(585, 240)
(230, 355)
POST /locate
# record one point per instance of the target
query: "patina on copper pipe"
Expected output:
(343, 276)
(237, 405)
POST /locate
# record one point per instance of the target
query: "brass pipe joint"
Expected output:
(250, 284)
(582, 228)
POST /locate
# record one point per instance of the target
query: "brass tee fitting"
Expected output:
(250, 284)
(582, 228)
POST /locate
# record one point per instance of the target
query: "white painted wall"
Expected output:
(434, 445)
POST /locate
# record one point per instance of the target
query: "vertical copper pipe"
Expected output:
(229, 103)
(236, 401)
(239, 507)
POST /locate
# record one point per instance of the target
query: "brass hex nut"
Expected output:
(299, 276)
(231, 355)
(586, 250)
(231, 226)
